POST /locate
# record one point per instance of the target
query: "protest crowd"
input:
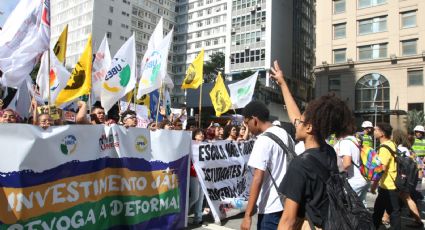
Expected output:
(312, 172)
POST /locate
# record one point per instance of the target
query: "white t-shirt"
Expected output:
(404, 150)
(346, 147)
(300, 147)
(267, 153)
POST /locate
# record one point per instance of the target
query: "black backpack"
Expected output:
(407, 170)
(345, 210)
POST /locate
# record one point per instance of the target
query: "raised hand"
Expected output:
(276, 73)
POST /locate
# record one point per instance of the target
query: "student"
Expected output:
(303, 188)
(267, 158)
(388, 196)
(129, 119)
(196, 194)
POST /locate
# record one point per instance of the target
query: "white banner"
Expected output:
(222, 169)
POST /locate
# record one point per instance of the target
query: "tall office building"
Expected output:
(372, 54)
(200, 24)
(118, 19)
(263, 31)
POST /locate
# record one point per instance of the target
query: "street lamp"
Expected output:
(375, 82)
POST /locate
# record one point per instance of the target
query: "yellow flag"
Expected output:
(80, 81)
(60, 46)
(220, 97)
(194, 73)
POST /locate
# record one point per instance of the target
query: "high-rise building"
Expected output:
(200, 24)
(117, 19)
(263, 31)
(371, 53)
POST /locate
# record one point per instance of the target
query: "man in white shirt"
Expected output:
(266, 155)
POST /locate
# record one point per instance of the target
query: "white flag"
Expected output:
(43, 77)
(121, 77)
(241, 92)
(154, 41)
(155, 69)
(101, 65)
(22, 100)
(24, 38)
(58, 77)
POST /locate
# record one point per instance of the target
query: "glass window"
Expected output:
(415, 77)
(408, 47)
(339, 6)
(340, 55)
(372, 90)
(369, 3)
(374, 51)
(339, 30)
(415, 106)
(373, 25)
(334, 84)
(408, 19)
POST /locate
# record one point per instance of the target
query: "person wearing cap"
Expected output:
(129, 119)
(366, 137)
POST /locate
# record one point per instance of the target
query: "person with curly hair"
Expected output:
(303, 189)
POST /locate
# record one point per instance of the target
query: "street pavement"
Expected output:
(235, 222)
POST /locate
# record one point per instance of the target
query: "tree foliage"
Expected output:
(415, 118)
(213, 66)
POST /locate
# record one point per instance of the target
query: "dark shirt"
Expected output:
(303, 185)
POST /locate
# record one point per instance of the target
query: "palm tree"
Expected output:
(415, 118)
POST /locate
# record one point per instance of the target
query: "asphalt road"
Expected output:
(235, 222)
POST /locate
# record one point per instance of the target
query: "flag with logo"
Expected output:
(60, 46)
(194, 73)
(42, 79)
(241, 92)
(154, 63)
(80, 81)
(101, 64)
(58, 77)
(25, 36)
(121, 77)
(220, 97)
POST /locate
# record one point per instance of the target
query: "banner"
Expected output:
(241, 92)
(92, 177)
(224, 175)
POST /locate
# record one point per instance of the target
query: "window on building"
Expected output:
(415, 106)
(373, 25)
(415, 77)
(409, 47)
(339, 6)
(340, 55)
(372, 90)
(339, 30)
(375, 51)
(111, 9)
(334, 84)
(110, 22)
(369, 3)
(408, 19)
(108, 34)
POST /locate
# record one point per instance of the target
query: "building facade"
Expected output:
(200, 24)
(371, 53)
(264, 31)
(117, 19)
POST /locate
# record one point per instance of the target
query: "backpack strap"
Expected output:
(289, 154)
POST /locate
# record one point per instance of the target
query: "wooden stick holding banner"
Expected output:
(200, 105)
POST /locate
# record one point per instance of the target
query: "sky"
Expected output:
(6, 7)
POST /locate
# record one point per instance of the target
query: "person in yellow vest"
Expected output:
(366, 137)
(419, 146)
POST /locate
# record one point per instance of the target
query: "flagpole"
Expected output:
(159, 103)
(200, 105)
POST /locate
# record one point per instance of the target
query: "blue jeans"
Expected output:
(268, 221)
(196, 198)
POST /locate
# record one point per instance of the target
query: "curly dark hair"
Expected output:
(329, 115)
(196, 132)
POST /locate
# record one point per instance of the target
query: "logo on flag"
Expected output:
(191, 74)
(123, 74)
(152, 68)
(242, 92)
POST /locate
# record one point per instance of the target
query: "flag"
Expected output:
(121, 77)
(60, 46)
(167, 101)
(154, 98)
(241, 92)
(58, 77)
(43, 76)
(22, 99)
(220, 97)
(194, 73)
(154, 62)
(101, 64)
(80, 81)
(25, 36)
